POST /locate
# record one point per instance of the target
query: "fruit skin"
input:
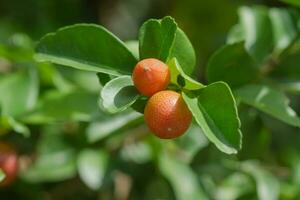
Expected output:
(8, 163)
(151, 76)
(167, 115)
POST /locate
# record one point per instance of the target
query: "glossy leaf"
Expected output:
(156, 38)
(86, 47)
(257, 31)
(236, 34)
(21, 92)
(184, 52)
(118, 94)
(215, 111)
(284, 29)
(233, 65)
(162, 39)
(270, 101)
(183, 180)
(177, 72)
(92, 166)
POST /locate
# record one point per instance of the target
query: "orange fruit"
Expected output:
(167, 115)
(150, 76)
(8, 163)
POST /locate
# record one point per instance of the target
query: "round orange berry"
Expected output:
(150, 76)
(167, 115)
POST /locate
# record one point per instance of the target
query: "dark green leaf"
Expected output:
(270, 101)
(86, 47)
(118, 94)
(257, 31)
(215, 111)
(103, 78)
(233, 65)
(292, 2)
(156, 38)
(92, 166)
(21, 91)
(177, 71)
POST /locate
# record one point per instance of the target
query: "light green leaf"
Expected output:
(267, 185)
(86, 47)
(215, 111)
(92, 165)
(2, 175)
(55, 106)
(235, 35)
(233, 65)
(184, 52)
(177, 73)
(191, 142)
(97, 130)
(257, 30)
(181, 177)
(270, 101)
(284, 29)
(235, 186)
(156, 38)
(118, 94)
(133, 47)
(21, 91)
(9, 123)
(55, 158)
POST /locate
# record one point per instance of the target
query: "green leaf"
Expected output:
(258, 31)
(103, 78)
(97, 130)
(215, 111)
(156, 38)
(86, 47)
(270, 101)
(235, 35)
(176, 72)
(181, 177)
(133, 46)
(292, 2)
(55, 158)
(118, 94)
(92, 166)
(284, 29)
(55, 106)
(9, 123)
(235, 186)
(267, 185)
(233, 65)
(2, 175)
(21, 92)
(184, 52)
(191, 142)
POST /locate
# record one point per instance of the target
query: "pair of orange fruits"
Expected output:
(166, 113)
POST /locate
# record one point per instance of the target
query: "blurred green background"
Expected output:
(76, 151)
